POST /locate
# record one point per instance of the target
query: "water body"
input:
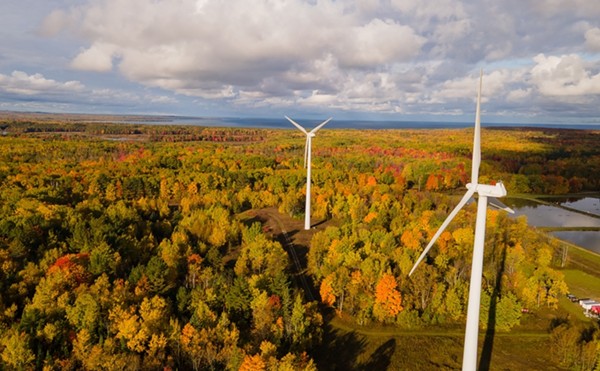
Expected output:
(587, 204)
(540, 215)
(282, 123)
(587, 239)
(553, 216)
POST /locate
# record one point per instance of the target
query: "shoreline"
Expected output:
(274, 122)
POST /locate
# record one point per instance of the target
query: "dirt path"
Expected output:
(296, 241)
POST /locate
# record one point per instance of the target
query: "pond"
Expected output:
(588, 239)
(540, 215)
(587, 204)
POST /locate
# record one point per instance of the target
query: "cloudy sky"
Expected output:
(362, 59)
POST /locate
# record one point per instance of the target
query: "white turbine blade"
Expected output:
(460, 205)
(497, 204)
(320, 126)
(306, 145)
(297, 125)
(477, 137)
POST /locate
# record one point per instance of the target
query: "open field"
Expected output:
(583, 260)
(380, 348)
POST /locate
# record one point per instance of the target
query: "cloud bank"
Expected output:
(364, 56)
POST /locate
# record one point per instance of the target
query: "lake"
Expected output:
(540, 215)
(587, 204)
(282, 123)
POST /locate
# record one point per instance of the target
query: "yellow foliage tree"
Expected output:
(16, 354)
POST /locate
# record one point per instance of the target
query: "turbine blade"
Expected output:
(460, 205)
(477, 137)
(297, 125)
(497, 204)
(306, 145)
(320, 126)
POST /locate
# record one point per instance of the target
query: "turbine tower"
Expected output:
(486, 193)
(307, 161)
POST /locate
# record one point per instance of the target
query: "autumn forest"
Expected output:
(134, 247)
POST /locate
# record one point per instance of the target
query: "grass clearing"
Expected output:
(372, 350)
(572, 311)
(582, 284)
(583, 260)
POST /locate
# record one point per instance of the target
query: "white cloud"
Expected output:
(551, 8)
(23, 91)
(466, 88)
(53, 23)
(440, 9)
(214, 50)
(564, 76)
(518, 95)
(371, 44)
(592, 39)
(160, 99)
(97, 58)
(21, 83)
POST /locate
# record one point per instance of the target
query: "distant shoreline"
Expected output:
(271, 123)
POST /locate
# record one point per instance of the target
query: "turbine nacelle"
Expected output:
(497, 190)
(491, 192)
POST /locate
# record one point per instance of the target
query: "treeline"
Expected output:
(136, 254)
(153, 133)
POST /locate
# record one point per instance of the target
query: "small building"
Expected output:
(587, 305)
(586, 300)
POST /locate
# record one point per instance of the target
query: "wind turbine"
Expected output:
(487, 193)
(307, 161)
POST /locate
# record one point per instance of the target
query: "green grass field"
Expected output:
(583, 260)
(378, 349)
(583, 284)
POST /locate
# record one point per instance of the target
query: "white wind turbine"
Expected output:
(307, 161)
(487, 193)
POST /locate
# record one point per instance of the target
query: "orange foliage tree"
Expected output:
(253, 363)
(388, 300)
(327, 292)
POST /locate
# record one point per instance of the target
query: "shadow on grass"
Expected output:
(381, 358)
(339, 350)
(485, 359)
(254, 219)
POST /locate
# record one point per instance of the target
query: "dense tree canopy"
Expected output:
(129, 246)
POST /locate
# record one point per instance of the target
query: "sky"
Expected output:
(364, 59)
